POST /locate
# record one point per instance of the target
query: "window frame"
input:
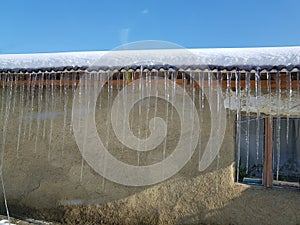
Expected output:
(267, 175)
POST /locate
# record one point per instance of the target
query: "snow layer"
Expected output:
(218, 56)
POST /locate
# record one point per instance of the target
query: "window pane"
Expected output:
(251, 147)
(286, 160)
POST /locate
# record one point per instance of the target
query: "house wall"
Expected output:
(49, 179)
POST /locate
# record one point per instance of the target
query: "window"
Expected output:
(286, 155)
(268, 151)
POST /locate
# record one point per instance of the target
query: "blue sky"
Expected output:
(28, 26)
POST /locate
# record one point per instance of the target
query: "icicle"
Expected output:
(200, 87)
(141, 96)
(52, 78)
(125, 81)
(21, 113)
(9, 84)
(101, 81)
(33, 83)
(15, 91)
(87, 89)
(74, 85)
(289, 91)
(298, 83)
(7, 100)
(27, 107)
(238, 120)
(278, 125)
(192, 91)
(269, 90)
(61, 81)
(202, 90)
(3, 79)
(117, 75)
(258, 97)
(156, 94)
(248, 93)
(65, 105)
(210, 94)
(109, 100)
(47, 92)
(219, 105)
(133, 77)
(228, 89)
(148, 91)
(40, 103)
(166, 84)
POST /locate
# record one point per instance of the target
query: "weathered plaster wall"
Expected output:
(47, 183)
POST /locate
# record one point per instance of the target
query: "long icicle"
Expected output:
(257, 96)
(5, 127)
(238, 121)
(65, 84)
(33, 83)
(248, 119)
(289, 91)
(278, 120)
(21, 113)
(40, 102)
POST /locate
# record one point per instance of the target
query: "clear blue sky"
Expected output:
(28, 26)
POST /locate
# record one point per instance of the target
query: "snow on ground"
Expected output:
(217, 56)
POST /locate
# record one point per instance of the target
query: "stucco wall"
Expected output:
(48, 183)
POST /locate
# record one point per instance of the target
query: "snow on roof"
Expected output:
(218, 56)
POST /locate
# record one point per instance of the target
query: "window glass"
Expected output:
(251, 143)
(286, 150)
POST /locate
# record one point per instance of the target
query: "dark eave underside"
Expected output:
(154, 67)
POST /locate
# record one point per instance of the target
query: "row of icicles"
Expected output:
(36, 95)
